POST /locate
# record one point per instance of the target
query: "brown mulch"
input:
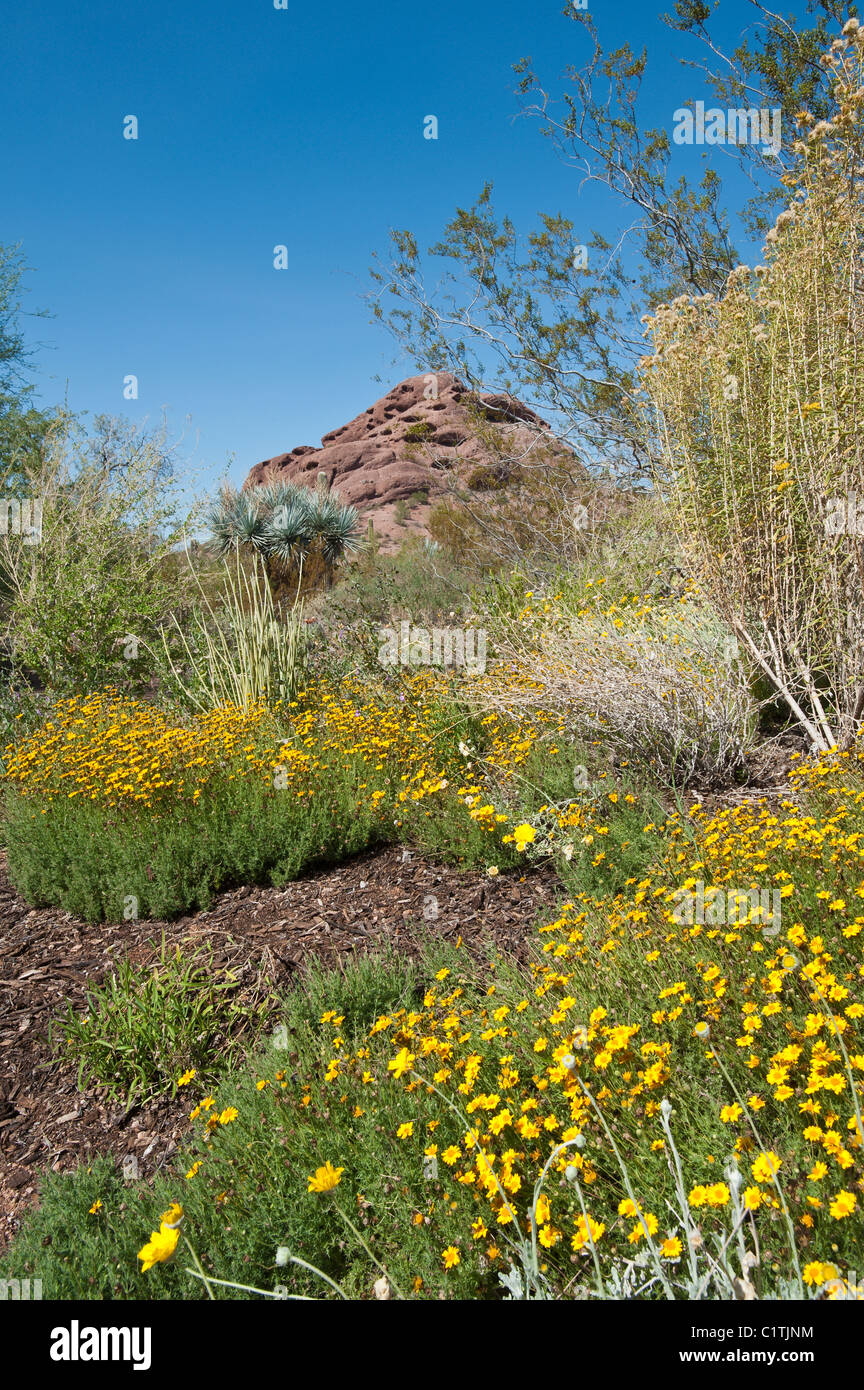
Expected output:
(48, 958)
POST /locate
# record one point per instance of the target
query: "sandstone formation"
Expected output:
(409, 445)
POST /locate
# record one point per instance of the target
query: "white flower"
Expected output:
(568, 1061)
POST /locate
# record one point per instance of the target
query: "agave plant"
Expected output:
(282, 522)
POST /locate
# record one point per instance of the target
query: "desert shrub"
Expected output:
(88, 592)
(113, 801)
(418, 583)
(293, 529)
(420, 431)
(535, 516)
(484, 479)
(758, 397)
(655, 682)
(237, 817)
(74, 1240)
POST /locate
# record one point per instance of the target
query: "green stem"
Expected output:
(201, 1273)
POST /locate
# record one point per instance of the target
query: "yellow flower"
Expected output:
(228, 1114)
(671, 1248)
(843, 1205)
(586, 1233)
(402, 1062)
(450, 1257)
(765, 1167)
(326, 1178)
(95, 1207)
(186, 1077)
(159, 1248)
(649, 1220)
(523, 835)
(405, 1131)
(173, 1216)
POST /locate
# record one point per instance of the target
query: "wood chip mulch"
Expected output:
(48, 958)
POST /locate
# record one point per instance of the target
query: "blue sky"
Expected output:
(259, 127)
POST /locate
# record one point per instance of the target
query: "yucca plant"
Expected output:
(283, 523)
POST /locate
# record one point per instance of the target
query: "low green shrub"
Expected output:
(147, 1024)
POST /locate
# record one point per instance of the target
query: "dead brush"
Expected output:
(665, 694)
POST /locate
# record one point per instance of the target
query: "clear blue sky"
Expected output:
(260, 126)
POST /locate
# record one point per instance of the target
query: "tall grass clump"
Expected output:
(239, 651)
(757, 402)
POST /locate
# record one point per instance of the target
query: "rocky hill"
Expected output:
(401, 454)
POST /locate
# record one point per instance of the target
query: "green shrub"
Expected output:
(95, 862)
(419, 432)
(148, 1024)
(249, 1193)
(87, 596)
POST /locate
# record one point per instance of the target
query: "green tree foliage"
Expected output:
(23, 427)
(559, 323)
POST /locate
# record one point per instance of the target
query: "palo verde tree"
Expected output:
(532, 314)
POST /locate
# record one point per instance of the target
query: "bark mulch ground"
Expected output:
(48, 958)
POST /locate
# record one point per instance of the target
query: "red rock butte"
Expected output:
(415, 440)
